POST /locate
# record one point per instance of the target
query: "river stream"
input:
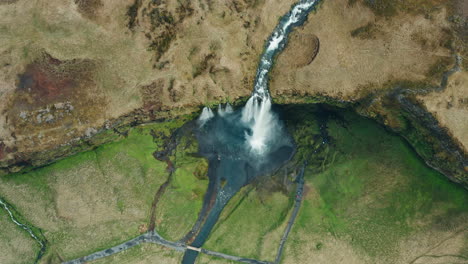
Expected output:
(248, 142)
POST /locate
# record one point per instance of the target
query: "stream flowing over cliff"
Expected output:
(222, 161)
(248, 142)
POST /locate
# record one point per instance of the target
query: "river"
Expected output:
(245, 143)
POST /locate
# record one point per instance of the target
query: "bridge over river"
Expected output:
(154, 237)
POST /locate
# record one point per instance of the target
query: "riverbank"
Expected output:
(366, 193)
(372, 199)
(362, 163)
(104, 196)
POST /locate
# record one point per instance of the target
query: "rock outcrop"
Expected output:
(400, 64)
(71, 71)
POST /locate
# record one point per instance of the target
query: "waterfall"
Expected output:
(246, 143)
(221, 111)
(261, 123)
(277, 42)
(226, 110)
(257, 112)
(206, 115)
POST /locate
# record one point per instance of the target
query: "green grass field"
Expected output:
(248, 225)
(179, 206)
(96, 199)
(368, 199)
(372, 197)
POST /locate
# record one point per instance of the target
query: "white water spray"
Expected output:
(262, 122)
(257, 115)
(206, 115)
(226, 110)
(257, 112)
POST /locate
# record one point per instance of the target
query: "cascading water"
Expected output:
(226, 110)
(257, 114)
(245, 143)
(206, 115)
(262, 122)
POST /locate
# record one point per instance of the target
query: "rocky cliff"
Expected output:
(74, 73)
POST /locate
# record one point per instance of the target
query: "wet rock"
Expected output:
(59, 106)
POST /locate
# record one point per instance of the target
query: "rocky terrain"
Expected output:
(402, 65)
(72, 70)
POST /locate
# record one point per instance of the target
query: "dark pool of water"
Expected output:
(232, 165)
(222, 140)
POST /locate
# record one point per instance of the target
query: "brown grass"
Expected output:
(345, 63)
(449, 108)
(124, 64)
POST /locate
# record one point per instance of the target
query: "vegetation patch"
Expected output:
(95, 199)
(372, 193)
(89, 8)
(183, 198)
(158, 21)
(389, 8)
(245, 222)
(365, 32)
(132, 14)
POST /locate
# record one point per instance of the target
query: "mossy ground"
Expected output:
(95, 199)
(247, 221)
(368, 198)
(374, 194)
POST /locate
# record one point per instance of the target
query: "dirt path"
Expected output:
(154, 237)
(157, 197)
(297, 206)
